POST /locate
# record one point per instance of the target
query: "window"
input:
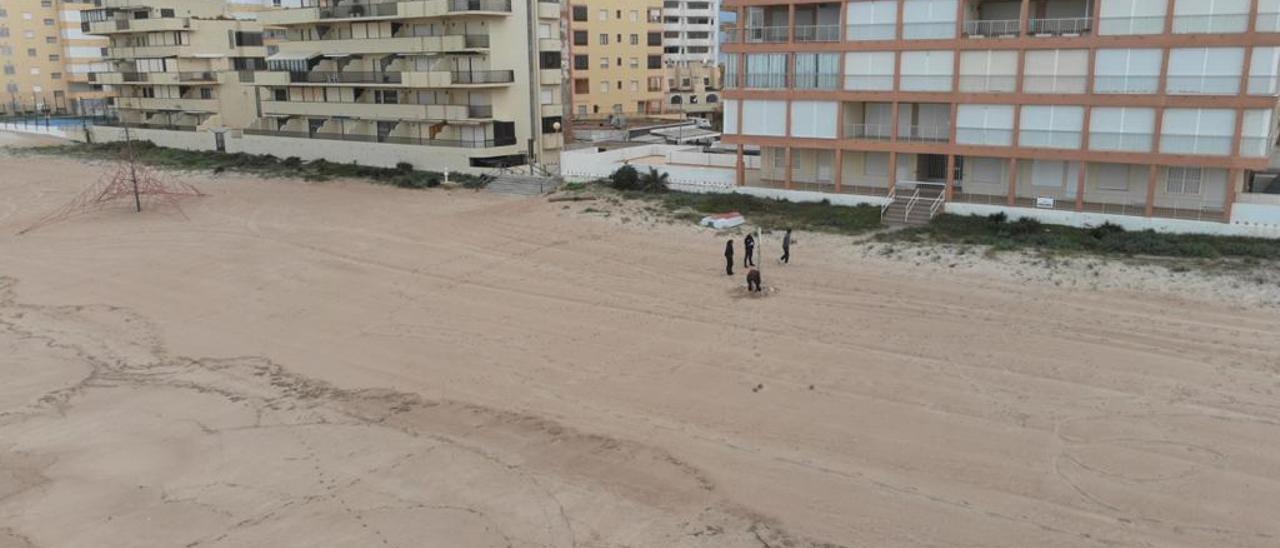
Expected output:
(549, 124)
(1208, 71)
(635, 85)
(55, 75)
(581, 86)
(1131, 17)
(581, 62)
(814, 119)
(579, 13)
(1114, 177)
(604, 62)
(634, 62)
(604, 86)
(604, 39)
(764, 118)
(549, 59)
(1210, 16)
(1127, 71)
(54, 57)
(655, 38)
(603, 15)
(989, 71)
(927, 70)
(579, 37)
(655, 62)
(731, 117)
(1264, 71)
(868, 70)
(206, 93)
(817, 70)
(633, 16)
(51, 39)
(635, 39)
(767, 70)
(873, 19)
(31, 52)
(1051, 126)
(929, 19)
(990, 125)
(1055, 71)
(48, 22)
(1197, 131)
(1183, 180)
(1122, 128)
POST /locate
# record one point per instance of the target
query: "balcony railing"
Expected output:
(198, 76)
(480, 111)
(356, 11)
(353, 137)
(353, 77)
(925, 134)
(774, 80)
(480, 5)
(133, 76)
(868, 82)
(1210, 23)
(1114, 140)
(873, 31)
(995, 27)
(870, 132)
(818, 33)
(766, 34)
(1126, 84)
(925, 82)
(1054, 83)
(1131, 25)
(484, 77)
(1049, 138)
(1202, 85)
(817, 80)
(475, 40)
(1059, 27)
(146, 125)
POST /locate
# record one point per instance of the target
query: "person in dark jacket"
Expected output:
(750, 245)
(753, 280)
(786, 248)
(728, 258)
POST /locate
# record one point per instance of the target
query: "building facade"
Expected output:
(46, 59)
(616, 58)
(1156, 108)
(446, 84)
(178, 65)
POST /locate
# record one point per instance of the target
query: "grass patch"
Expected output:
(1000, 234)
(771, 214)
(263, 165)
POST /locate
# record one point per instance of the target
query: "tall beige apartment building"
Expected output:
(1150, 108)
(178, 64)
(615, 53)
(442, 84)
(46, 59)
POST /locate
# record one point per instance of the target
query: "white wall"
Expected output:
(1238, 226)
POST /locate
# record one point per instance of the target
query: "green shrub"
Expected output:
(654, 182)
(625, 178)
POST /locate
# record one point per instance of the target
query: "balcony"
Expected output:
(1117, 141)
(148, 52)
(548, 10)
(412, 9)
(1126, 84)
(552, 110)
(124, 25)
(150, 103)
(352, 77)
(818, 33)
(979, 136)
(1070, 26)
(363, 138)
(816, 80)
(872, 31)
(988, 83)
(757, 35)
(373, 111)
(483, 77)
(1222, 23)
(1202, 85)
(774, 80)
(1112, 26)
(1054, 83)
(925, 134)
(1049, 138)
(545, 44)
(868, 132)
(369, 46)
(205, 76)
(999, 28)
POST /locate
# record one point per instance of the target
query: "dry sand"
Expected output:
(342, 364)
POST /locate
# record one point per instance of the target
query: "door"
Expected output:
(219, 141)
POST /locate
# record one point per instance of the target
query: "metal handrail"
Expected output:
(992, 27)
(937, 204)
(915, 197)
(893, 195)
(817, 33)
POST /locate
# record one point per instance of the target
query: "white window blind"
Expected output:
(1183, 180)
(929, 19)
(817, 71)
(1056, 71)
(984, 125)
(1264, 71)
(1114, 177)
(873, 19)
(1212, 71)
(814, 119)
(1255, 134)
(1131, 17)
(989, 70)
(1197, 131)
(984, 170)
(868, 70)
(927, 70)
(767, 70)
(1122, 129)
(1127, 71)
(876, 164)
(764, 118)
(730, 116)
(1268, 16)
(1051, 126)
(1210, 16)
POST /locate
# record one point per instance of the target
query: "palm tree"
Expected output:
(654, 181)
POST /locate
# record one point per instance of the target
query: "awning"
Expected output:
(293, 56)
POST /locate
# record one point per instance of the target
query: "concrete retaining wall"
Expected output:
(1129, 222)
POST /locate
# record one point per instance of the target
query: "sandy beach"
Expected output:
(284, 363)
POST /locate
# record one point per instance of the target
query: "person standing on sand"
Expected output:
(728, 258)
(786, 248)
(750, 245)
